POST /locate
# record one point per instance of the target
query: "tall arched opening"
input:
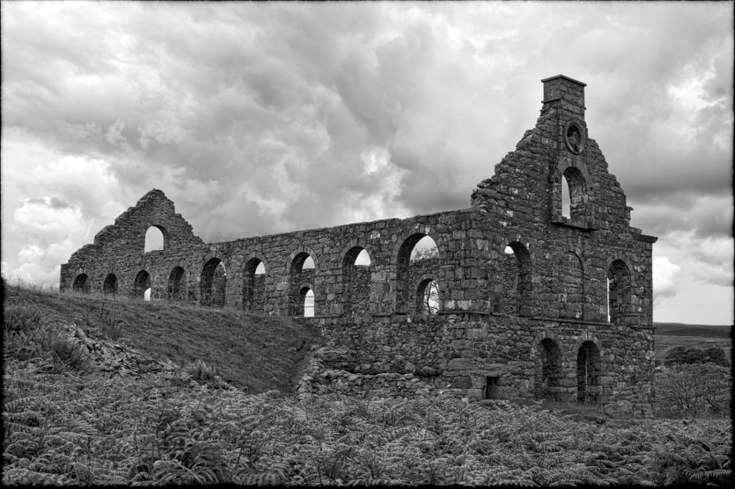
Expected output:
(588, 373)
(427, 297)
(141, 284)
(109, 286)
(517, 280)
(155, 239)
(176, 287)
(213, 283)
(548, 371)
(301, 279)
(418, 258)
(356, 271)
(81, 284)
(253, 287)
(619, 292)
(574, 195)
(308, 301)
(571, 286)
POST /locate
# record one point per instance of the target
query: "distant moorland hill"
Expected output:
(681, 329)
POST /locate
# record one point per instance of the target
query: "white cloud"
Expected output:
(40, 217)
(664, 277)
(374, 160)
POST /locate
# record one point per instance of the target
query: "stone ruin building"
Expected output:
(545, 290)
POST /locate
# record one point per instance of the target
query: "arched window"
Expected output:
(571, 286)
(253, 287)
(548, 371)
(427, 297)
(141, 285)
(301, 277)
(566, 201)
(418, 257)
(588, 373)
(155, 239)
(213, 283)
(356, 273)
(574, 196)
(109, 287)
(307, 299)
(81, 284)
(176, 284)
(618, 292)
(517, 279)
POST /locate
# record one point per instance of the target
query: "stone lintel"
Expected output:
(571, 320)
(574, 225)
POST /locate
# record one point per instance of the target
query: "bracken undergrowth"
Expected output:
(84, 429)
(67, 422)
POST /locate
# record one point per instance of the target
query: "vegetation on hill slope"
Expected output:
(247, 350)
(67, 421)
(83, 429)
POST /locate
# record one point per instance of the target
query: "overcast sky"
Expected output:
(263, 118)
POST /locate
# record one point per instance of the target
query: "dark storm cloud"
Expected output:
(707, 215)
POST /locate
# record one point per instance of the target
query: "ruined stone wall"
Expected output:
(543, 297)
(522, 203)
(118, 250)
(457, 352)
(459, 264)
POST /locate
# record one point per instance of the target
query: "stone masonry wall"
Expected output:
(534, 299)
(457, 352)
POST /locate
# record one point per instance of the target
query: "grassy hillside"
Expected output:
(257, 352)
(253, 351)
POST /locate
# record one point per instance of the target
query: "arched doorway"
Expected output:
(81, 284)
(213, 283)
(176, 286)
(253, 287)
(548, 370)
(141, 285)
(588, 373)
(109, 286)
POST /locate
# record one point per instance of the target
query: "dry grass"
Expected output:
(252, 351)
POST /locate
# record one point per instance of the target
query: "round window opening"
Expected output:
(574, 137)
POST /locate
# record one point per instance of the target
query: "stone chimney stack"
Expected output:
(566, 93)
